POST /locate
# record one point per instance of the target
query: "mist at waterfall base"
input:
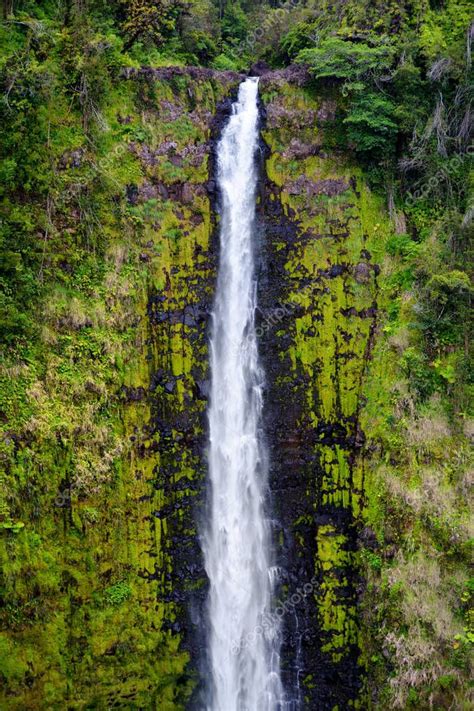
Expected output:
(243, 636)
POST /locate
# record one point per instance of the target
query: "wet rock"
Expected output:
(329, 187)
(131, 192)
(362, 273)
(192, 315)
(211, 187)
(327, 111)
(203, 389)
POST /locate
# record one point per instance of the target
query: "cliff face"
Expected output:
(103, 444)
(103, 415)
(323, 237)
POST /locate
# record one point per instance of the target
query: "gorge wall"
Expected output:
(104, 447)
(104, 428)
(323, 236)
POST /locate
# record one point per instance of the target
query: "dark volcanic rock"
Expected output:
(259, 69)
(327, 112)
(298, 149)
(296, 74)
(328, 187)
(297, 473)
(169, 73)
(362, 273)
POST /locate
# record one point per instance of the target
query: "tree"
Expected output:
(370, 124)
(234, 24)
(151, 20)
(360, 71)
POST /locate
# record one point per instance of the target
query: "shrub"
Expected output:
(151, 21)
(355, 67)
(370, 123)
(445, 304)
(225, 63)
(303, 35)
(234, 24)
(118, 593)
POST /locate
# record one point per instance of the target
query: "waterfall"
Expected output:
(243, 635)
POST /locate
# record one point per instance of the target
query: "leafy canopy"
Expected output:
(346, 61)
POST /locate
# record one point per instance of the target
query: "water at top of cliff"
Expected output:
(243, 645)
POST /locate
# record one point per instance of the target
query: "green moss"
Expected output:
(85, 561)
(332, 278)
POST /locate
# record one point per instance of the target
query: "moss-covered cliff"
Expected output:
(102, 413)
(324, 239)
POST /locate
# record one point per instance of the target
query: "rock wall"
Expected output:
(322, 238)
(102, 579)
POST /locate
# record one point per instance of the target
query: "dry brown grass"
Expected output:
(14, 371)
(426, 603)
(425, 431)
(117, 255)
(469, 428)
(417, 662)
(400, 340)
(62, 312)
(427, 608)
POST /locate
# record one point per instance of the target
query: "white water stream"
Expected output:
(242, 638)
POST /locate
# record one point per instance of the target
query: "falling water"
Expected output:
(243, 639)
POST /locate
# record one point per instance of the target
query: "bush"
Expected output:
(303, 35)
(370, 123)
(200, 45)
(225, 63)
(445, 302)
(118, 593)
(234, 24)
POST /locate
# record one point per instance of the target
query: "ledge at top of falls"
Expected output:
(294, 74)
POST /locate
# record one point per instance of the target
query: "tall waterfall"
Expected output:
(243, 639)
